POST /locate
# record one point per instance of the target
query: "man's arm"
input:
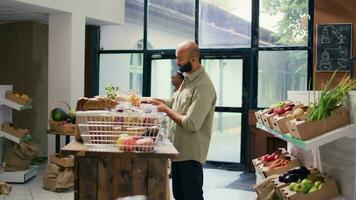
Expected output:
(177, 118)
(197, 111)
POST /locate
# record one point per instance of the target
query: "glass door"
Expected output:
(227, 75)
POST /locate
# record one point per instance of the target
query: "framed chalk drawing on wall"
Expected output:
(333, 46)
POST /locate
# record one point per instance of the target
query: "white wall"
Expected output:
(111, 11)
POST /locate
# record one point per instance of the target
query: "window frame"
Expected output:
(250, 53)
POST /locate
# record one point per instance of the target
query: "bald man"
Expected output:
(192, 110)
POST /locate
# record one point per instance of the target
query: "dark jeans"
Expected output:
(187, 180)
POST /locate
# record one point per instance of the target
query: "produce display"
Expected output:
(62, 121)
(294, 174)
(17, 132)
(330, 99)
(133, 130)
(275, 163)
(306, 186)
(277, 114)
(22, 99)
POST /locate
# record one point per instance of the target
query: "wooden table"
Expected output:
(107, 173)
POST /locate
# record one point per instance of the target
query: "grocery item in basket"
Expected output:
(128, 144)
(151, 131)
(96, 103)
(138, 131)
(58, 114)
(145, 144)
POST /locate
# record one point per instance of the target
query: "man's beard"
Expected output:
(187, 67)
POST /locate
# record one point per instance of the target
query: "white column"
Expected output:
(65, 61)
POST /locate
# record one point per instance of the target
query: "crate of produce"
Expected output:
(295, 174)
(22, 99)
(267, 119)
(129, 131)
(304, 130)
(279, 122)
(278, 166)
(269, 157)
(308, 189)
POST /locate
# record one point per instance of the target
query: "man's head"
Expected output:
(177, 79)
(187, 56)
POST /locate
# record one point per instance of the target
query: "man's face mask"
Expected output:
(187, 67)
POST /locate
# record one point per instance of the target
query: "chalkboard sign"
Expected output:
(333, 46)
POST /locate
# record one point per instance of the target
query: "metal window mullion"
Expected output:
(197, 8)
(310, 42)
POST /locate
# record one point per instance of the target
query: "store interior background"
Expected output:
(47, 53)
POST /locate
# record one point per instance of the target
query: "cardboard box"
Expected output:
(6, 127)
(279, 185)
(15, 97)
(294, 162)
(304, 130)
(329, 190)
(259, 114)
(266, 119)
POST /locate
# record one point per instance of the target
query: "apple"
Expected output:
(128, 144)
(313, 189)
(288, 108)
(280, 111)
(298, 187)
(317, 183)
(292, 186)
(320, 186)
(121, 139)
(306, 185)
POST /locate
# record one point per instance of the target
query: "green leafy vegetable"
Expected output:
(330, 99)
(111, 91)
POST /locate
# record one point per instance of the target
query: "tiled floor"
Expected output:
(217, 183)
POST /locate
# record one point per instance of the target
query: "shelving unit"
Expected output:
(345, 131)
(6, 107)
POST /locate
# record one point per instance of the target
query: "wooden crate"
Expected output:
(112, 177)
(308, 129)
(328, 191)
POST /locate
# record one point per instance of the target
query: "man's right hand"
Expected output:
(153, 101)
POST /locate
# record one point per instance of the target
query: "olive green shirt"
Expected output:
(195, 100)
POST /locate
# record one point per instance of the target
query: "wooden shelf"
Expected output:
(345, 131)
